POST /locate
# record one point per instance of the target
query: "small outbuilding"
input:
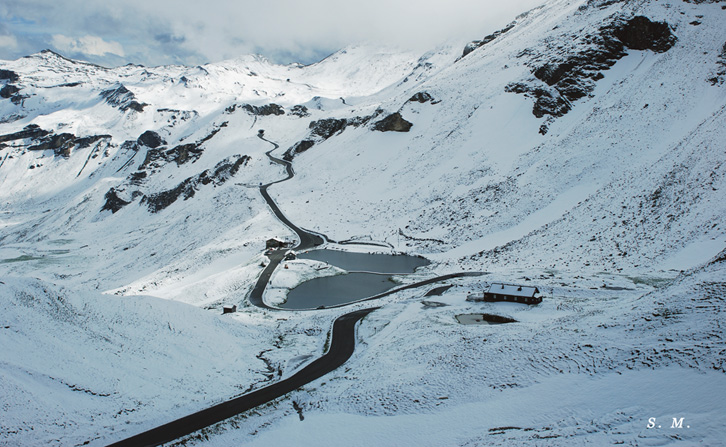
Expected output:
(229, 309)
(511, 292)
(290, 256)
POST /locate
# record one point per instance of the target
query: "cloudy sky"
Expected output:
(157, 32)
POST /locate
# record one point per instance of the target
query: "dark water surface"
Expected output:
(342, 289)
(367, 262)
(335, 290)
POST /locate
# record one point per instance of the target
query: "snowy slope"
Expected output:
(582, 148)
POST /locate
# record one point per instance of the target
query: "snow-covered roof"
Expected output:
(512, 290)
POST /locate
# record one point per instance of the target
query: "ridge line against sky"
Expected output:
(190, 32)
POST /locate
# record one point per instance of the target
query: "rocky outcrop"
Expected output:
(265, 110)
(43, 140)
(61, 144)
(184, 153)
(150, 139)
(720, 74)
(471, 46)
(320, 131)
(12, 92)
(298, 148)
(159, 201)
(326, 128)
(299, 111)
(422, 97)
(180, 154)
(123, 99)
(85, 142)
(548, 101)
(8, 91)
(113, 202)
(30, 131)
(9, 75)
(222, 172)
(639, 33)
(393, 123)
(572, 76)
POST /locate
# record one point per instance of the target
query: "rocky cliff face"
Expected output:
(573, 75)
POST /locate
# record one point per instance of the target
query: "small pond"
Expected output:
(367, 262)
(336, 290)
(371, 275)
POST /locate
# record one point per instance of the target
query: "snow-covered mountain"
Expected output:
(582, 147)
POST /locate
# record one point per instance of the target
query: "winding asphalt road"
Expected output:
(341, 348)
(307, 240)
(342, 342)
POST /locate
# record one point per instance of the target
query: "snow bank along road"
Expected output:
(341, 347)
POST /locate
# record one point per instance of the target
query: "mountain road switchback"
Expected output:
(342, 342)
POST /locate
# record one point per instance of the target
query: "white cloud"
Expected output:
(192, 32)
(90, 45)
(8, 41)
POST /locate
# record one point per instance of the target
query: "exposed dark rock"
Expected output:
(159, 201)
(212, 133)
(298, 148)
(573, 76)
(184, 152)
(471, 46)
(393, 122)
(228, 168)
(152, 155)
(150, 139)
(122, 98)
(85, 142)
(9, 75)
(180, 154)
(321, 130)
(129, 145)
(135, 105)
(137, 177)
(639, 33)
(30, 131)
(266, 110)
(61, 144)
(113, 202)
(11, 118)
(422, 97)
(549, 103)
(45, 140)
(721, 68)
(299, 110)
(326, 128)
(600, 4)
(8, 91)
(12, 92)
(18, 99)
(358, 121)
(222, 172)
